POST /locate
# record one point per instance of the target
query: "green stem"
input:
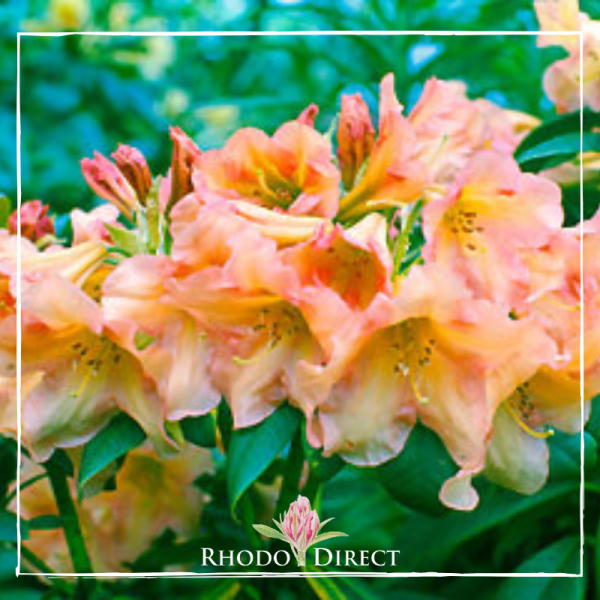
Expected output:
(69, 518)
(291, 477)
(403, 239)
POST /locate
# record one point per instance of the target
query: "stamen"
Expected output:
(525, 427)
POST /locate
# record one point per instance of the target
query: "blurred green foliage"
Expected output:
(85, 93)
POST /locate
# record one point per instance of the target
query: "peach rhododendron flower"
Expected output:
(393, 174)
(491, 213)
(151, 496)
(293, 170)
(83, 376)
(443, 357)
(562, 79)
(165, 340)
(450, 128)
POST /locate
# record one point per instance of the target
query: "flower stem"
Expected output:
(302, 559)
(69, 518)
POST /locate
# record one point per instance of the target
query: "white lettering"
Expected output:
(317, 563)
(260, 564)
(373, 558)
(287, 555)
(205, 557)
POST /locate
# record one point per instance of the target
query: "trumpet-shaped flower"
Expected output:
(171, 349)
(444, 358)
(487, 218)
(450, 128)
(292, 171)
(82, 376)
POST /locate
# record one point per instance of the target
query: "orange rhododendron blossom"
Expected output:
(450, 128)
(172, 350)
(293, 170)
(393, 175)
(82, 376)
(443, 357)
(151, 496)
(562, 79)
(234, 283)
(488, 216)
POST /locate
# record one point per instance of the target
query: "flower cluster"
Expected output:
(372, 277)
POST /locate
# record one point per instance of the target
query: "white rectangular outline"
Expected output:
(246, 574)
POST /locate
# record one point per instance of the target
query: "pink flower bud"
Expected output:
(308, 115)
(133, 166)
(355, 136)
(185, 154)
(301, 524)
(35, 222)
(105, 178)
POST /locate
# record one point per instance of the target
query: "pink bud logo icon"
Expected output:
(300, 528)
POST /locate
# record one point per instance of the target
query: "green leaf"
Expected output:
(200, 431)
(5, 211)
(270, 532)
(120, 436)
(253, 449)
(497, 507)
(561, 557)
(327, 536)
(415, 477)
(556, 151)
(557, 127)
(45, 523)
(125, 239)
(565, 455)
(8, 527)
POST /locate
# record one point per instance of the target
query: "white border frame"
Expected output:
(301, 574)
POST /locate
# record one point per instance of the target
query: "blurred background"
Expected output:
(86, 93)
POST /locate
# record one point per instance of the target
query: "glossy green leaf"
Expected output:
(415, 477)
(565, 455)
(120, 436)
(200, 431)
(253, 449)
(8, 527)
(560, 557)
